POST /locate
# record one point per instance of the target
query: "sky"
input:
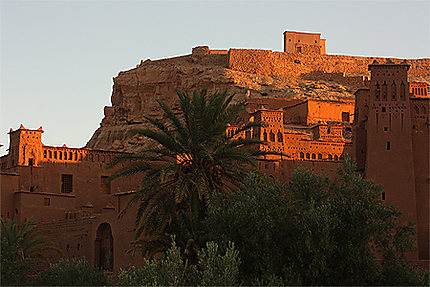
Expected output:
(58, 58)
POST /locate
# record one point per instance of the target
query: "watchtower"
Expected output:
(299, 42)
(25, 146)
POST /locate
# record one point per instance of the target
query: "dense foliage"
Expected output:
(72, 272)
(20, 245)
(213, 269)
(314, 231)
(193, 159)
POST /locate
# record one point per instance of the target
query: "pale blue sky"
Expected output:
(58, 58)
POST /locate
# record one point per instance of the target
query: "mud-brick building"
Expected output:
(391, 144)
(311, 134)
(67, 192)
(300, 42)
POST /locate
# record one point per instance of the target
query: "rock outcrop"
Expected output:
(247, 73)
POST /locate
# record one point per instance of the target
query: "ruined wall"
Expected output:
(338, 77)
(267, 62)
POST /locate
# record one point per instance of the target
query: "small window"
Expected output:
(336, 157)
(302, 155)
(345, 117)
(60, 155)
(385, 129)
(383, 195)
(70, 155)
(55, 154)
(308, 156)
(45, 154)
(313, 156)
(50, 154)
(30, 162)
(66, 183)
(383, 109)
(388, 146)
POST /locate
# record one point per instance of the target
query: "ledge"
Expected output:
(47, 193)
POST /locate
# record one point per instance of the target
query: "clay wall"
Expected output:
(313, 112)
(338, 77)
(420, 108)
(266, 62)
(8, 186)
(361, 113)
(282, 170)
(320, 111)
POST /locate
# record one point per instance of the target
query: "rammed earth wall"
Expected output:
(267, 62)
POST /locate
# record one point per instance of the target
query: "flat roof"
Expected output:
(303, 33)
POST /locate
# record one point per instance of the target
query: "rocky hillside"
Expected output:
(247, 73)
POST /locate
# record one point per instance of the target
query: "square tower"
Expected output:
(306, 43)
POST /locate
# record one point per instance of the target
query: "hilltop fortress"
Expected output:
(316, 108)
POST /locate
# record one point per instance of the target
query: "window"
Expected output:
(308, 156)
(46, 201)
(50, 153)
(66, 183)
(319, 156)
(383, 195)
(105, 184)
(330, 157)
(336, 157)
(30, 162)
(280, 138)
(45, 154)
(377, 91)
(383, 109)
(272, 136)
(70, 155)
(60, 155)
(302, 155)
(345, 116)
(388, 146)
(313, 156)
(265, 136)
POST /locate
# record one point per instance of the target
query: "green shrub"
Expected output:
(72, 272)
(213, 269)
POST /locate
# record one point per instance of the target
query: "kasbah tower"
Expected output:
(392, 144)
(383, 124)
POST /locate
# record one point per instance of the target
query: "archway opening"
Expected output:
(104, 247)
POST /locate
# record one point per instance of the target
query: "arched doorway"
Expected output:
(104, 247)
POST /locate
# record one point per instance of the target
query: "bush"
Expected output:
(213, 269)
(72, 272)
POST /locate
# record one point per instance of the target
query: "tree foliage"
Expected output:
(193, 159)
(314, 231)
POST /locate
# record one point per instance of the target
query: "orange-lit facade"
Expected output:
(67, 191)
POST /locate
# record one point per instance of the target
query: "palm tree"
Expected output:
(193, 160)
(23, 242)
